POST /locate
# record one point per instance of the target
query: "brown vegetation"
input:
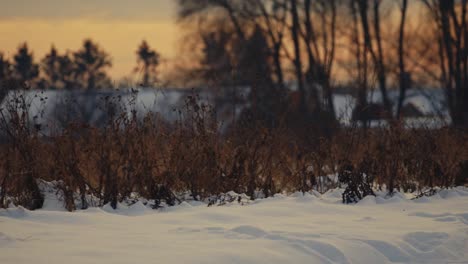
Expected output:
(157, 159)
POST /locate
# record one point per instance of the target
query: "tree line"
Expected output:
(325, 45)
(319, 47)
(85, 68)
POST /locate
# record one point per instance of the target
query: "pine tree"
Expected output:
(59, 70)
(216, 62)
(25, 70)
(91, 63)
(5, 68)
(50, 68)
(254, 67)
(148, 61)
(5, 76)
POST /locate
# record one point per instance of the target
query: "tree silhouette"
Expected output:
(254, 67)
(50, 68)
(148, 61)
(216, 61)
(59, 70)
(91, 63)
(25, 70)
(5, 75)
(5, 68)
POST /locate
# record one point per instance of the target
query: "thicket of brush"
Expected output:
(157, 159)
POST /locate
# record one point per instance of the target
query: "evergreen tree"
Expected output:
(5, 68)
(25, 70)
(5, 76)
(216, 62)
(254, 68)
(91, 63)
(148, 61)
(50, 68)
(59, 70)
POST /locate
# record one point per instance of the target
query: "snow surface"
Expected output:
(298, 228)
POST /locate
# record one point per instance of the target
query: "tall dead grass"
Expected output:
(157, 159)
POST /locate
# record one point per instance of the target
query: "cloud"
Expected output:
(162, 10)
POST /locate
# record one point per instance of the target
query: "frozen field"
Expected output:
(284, 229)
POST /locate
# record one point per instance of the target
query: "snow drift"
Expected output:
(299, 228)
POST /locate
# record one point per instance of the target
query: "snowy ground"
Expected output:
(293, 229)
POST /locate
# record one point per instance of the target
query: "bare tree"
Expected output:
(450, 16)
(297, 55)
(320, 22)
(273, 20)
(404, 76)
(360, 54)
(370, 42)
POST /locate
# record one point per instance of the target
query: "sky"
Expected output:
(118, 26)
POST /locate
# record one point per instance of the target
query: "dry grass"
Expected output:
(157, 159)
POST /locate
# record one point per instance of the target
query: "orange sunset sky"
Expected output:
(118, 26)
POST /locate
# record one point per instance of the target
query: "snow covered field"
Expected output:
(284, 229)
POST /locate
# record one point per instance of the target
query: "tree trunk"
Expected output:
(297, 59)
(380, 61)
(401, 58)
(368, 43)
